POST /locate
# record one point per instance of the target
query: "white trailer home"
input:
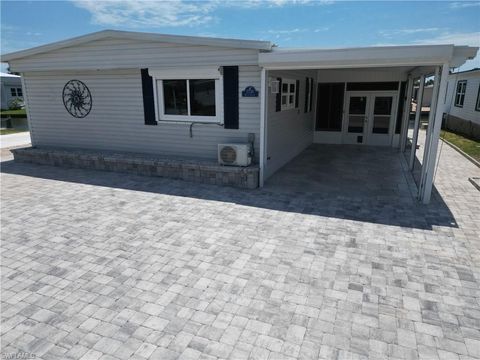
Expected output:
(179, 97)
(462, 103)
(11, 89)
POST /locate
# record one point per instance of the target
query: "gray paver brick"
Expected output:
(100, 266)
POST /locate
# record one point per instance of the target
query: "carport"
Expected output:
(358, 100)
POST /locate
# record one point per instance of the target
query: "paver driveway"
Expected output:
(101, 265)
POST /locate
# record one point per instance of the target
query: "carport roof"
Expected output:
(382, 56)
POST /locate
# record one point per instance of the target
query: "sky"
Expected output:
(287, 23)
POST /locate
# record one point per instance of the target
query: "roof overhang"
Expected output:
(128, 35)
(385, 56)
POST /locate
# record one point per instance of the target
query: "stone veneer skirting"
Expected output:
(200, 171)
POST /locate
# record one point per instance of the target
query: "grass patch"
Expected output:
(11, 131)
(469, 146)
(22, 113)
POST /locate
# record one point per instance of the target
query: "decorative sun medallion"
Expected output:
(77, 98)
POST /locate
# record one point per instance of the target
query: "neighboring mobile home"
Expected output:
(462, 103)
(12, 98)
(181, 96)
(11, 89)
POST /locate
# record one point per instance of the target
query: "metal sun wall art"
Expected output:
(77, 98)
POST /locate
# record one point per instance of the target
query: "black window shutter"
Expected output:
(278, 98)
(230, 97)
(297, 93)
(148, 99)
(307, 90)
(310, 106)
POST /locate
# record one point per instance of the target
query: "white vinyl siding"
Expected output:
(288, 132)
(467, 112)
(115, 53)
(116, 121)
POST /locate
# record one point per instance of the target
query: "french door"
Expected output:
(369, 118)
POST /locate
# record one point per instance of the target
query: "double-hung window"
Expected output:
(193, 95)
(16, 92)
(460, 94)
(288, 94)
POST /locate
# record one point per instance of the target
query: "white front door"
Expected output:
(356, 119)
(370, 118)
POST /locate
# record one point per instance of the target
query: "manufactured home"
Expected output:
(11, 89)
(193, 100)
(462, 103)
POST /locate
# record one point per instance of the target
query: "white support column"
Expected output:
(26, 102)
(406, 114)
(429, 165)
(263, 123)
(431, 120)
(416, 127)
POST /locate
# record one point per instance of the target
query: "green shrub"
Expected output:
(16, 104)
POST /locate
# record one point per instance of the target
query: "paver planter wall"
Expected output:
(142, 164)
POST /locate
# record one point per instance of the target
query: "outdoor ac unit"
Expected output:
(235, 154)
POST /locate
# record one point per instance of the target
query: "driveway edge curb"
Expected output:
(475, 162)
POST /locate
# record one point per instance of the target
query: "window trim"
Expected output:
(19, 92)
(477, 103)
(460, 93)
(13, 91)
(288, 94)
(187, 74)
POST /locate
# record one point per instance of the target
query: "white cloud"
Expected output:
(147, 13)
(283, 32)
(412, 31)
(464, 4)
(128, 13)
(10, 32)
(472, 39)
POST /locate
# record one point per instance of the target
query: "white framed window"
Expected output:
(289, 91)
(13, 91)
(460, 94)
(190, 95)
(19, 92)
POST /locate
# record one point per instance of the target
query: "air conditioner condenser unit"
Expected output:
(235, 154)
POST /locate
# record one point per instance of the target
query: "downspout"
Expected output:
(263, 132)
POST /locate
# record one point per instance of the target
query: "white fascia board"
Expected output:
(461, 54)
(357, 57)
(7, 75)
(129, 35)
(194, 40)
